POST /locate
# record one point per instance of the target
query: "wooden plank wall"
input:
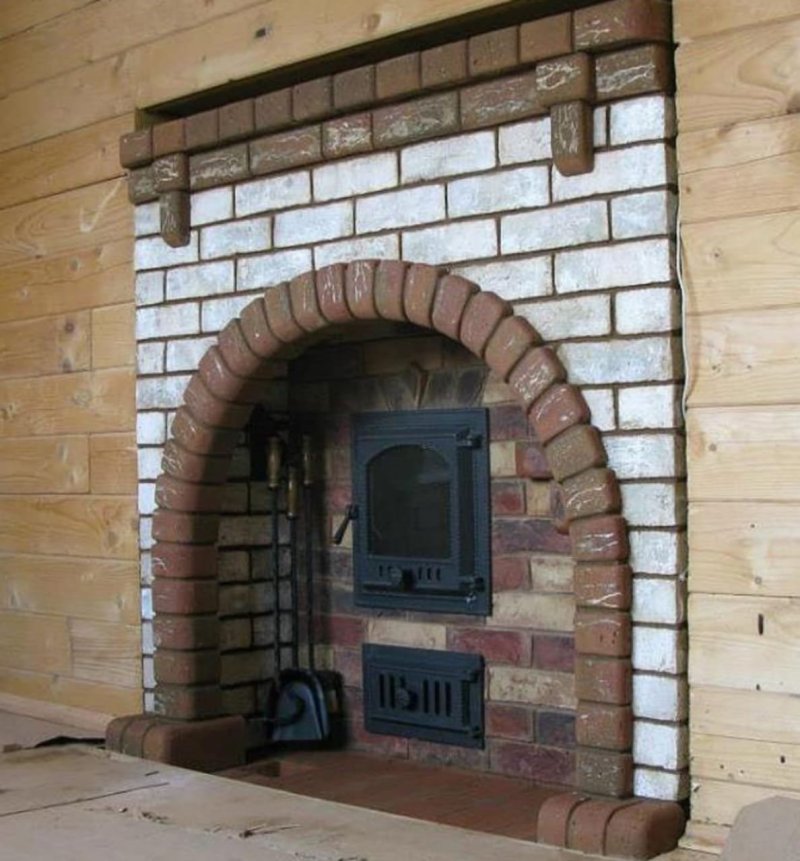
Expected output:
(739, 160)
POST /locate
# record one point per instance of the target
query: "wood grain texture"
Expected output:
(57, 464)
(34, 642)
(90, 402)
(102, 652)
(114, 336)
(758, 763)
(47, 345)
(738, 76)
(102, 526)
(105, 590)
(758, 715)
(692, 19)
(718, 801)
(16, 16)
(113, 463)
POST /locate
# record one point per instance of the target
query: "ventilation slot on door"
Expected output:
(421, 693)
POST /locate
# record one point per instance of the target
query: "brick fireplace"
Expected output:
(483, 224)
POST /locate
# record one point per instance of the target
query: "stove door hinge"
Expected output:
(350, 514)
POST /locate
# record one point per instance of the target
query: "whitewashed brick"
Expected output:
(659, 697)
(145, 535)
(644, 214)
(626, 264)
(554, 227)
(149, 463)
(657, 552)
(378, 247)
(631, 361)
(619, 170)
(656, 455)
(528, 141)
(523, 188)
(314, 224)
(149, 288)
(150, 358)
(266, 270)
(404, 208)
(204, 279)
(217, 313)
(162, 393)
(146, 569)
(448, 157)
(653, 503)
(601, 404)
(451, 242)
(147, 497)
(146, 219)
(647, 118)
(148, 671)
(185, 354)
(154, 253)
(148, 646)
(166, 321)
(149, 702)
(659, 650)
(513, 279)
(657, 602)
(235, 237)
(150, 428)
(660, 745)
(662, 785)
(277, 192)
(355, 176)
(653, 309)
(600, 127)
(649, 407)
(569, 318)
(215, 204)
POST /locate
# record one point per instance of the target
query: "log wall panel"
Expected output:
(113, 463)
(33, 642)
(113, 336)
(47, 345)
(57, 464)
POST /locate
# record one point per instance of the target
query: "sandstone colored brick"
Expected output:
(531, 687)
(520, 188)
(445, 64)
(354, 87)
(423, 118)
(633, 72)
(574, 450)
(401, 633)
(546, 37)
(449, 157)
(622, 22)
(219, 167)
(493, 51)
(398, 76)
(565, 79)
(543, 612)
(273, 110)
(286, 150)
(552, 573)
(555, 227)
(355, 176)
(572, 138)
(526, 141)
(501, 101)
(347, 135)
(279, 192)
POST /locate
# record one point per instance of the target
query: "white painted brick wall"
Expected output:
(406, 208)
(278, 192)
(657, 601)
(146, 219)
(513, 279)
(647, 118)
(601, 404)
(147, 496)
(149, 288)
(448, 157)
(149, 463)
(217, 313)
(654, 455)
(386, 247)
(630, 361)
(528, 141)
(620, 265)
(314, 224)
(649, 407)
(643, 214)
(657, 552)
(267, 270)
(154, 253)
(468, 240)
(150, 358)
(653, 503)
(659, 650)
(660, 745)
(554, 227)
(161, 393)
(569, 318)
(236, 237)
(166, 321)
(150, 428)
(669, 785)
(204, 279)
(651, 309)
(659, 697)
(185, 354)
(355, 176)
(523, 188)
(215, 204)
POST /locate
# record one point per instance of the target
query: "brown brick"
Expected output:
(604, 772)
(347, 135)
(494, 51)
(560, 407)
(179, 702)
(500, 101)
(555, 729)
(603, 680)
(607, 586)
(273, 110)
(634, 72)
(531, 462)
(354, 87)
(186, 633)
(256, 330)
(187, 668)
(518, 534)
(554, 652)
(286, 150)
(622, 22)
(512, 339)
(179, 596)
(141, 185)
(237, 120)
(219, 167)
(237, 354)
(508, 497)
(115, 731)
(565, 79)
(389, 289)
(557, 510)
(508, 422)
(450, 303)
(423, 118)
(184, 561)
(603, 632)
(190, 466)
(587, 825)
(572, 138)
(498, 647)
(603, 538)
(398, 76)
(445, 64)
(510, 573)
(202, 130)
(312, 99)
(574, 450)
(305, 306)
(177, 495)
(200, 439)
(554, 816)
(593, 491)
(331, 294)
(481, 318)
(359, 281)
(212, 410)
(605, 726)
(545, 38)
(136, 148)
(279, 315)
(420, 291)
(185, 528)
(174, 212)
(645, 830)
(514, 722)
(534, 373)
(169, 137)
(532, 762)
(132, 742)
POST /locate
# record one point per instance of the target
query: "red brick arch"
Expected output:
(218, 402)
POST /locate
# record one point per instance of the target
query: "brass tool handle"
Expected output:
(274, 463)
(292, 494)
(308, 460)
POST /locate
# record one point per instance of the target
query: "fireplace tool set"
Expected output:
(305, 706)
